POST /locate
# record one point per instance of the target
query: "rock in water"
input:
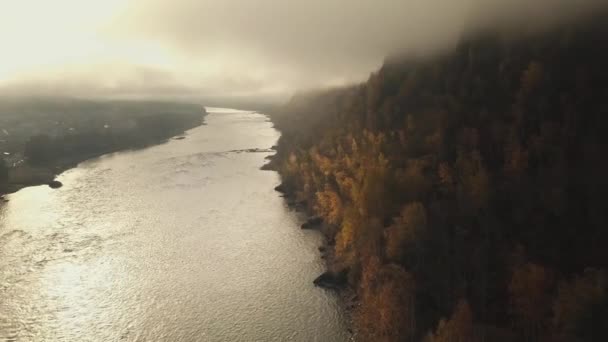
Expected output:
(280, 188)
(332, 280)
(55, 184)
(312, 222)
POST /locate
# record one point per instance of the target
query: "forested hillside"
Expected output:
(465, 194)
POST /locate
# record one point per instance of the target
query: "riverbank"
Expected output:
(335, 276)
(26, 175)
(41, 146)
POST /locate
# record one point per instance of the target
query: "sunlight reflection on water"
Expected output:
(184, 241)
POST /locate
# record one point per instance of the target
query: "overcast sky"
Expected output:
(229, 47)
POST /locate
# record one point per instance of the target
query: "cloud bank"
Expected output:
(238, 47)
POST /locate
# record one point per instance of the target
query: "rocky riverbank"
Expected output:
(335, 277)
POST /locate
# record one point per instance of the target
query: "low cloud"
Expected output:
(249, 47)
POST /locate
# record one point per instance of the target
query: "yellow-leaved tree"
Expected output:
(404, 234)
(459, 328)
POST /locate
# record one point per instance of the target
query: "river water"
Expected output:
(183, 241)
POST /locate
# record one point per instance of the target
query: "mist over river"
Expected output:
(183, 241)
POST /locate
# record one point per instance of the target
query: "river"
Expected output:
(183, 241)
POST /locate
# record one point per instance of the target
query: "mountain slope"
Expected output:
(465, 194)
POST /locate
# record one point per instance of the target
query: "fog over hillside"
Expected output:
(243, 48)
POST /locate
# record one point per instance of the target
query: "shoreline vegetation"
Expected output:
(41, 138)
(463, 196)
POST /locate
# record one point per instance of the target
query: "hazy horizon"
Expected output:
(231, 48)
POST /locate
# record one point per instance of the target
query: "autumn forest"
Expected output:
(464, 195)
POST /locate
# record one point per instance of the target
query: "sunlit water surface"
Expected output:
(184, 241)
